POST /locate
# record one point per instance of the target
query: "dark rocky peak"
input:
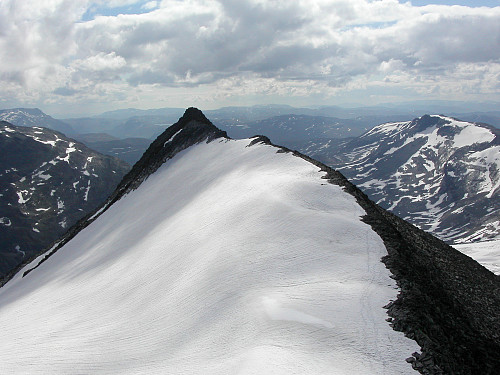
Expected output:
(194, 114)
(192, 128)
(427, 121)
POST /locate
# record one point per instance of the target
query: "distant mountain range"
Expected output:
(47, 183)
(373, 115)
(129, 149)
(286, 125)
(292, 128)
(35, 117)
(437, 172)
(119, 131)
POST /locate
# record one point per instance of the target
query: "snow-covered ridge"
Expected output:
(464, 133)
(216, 272)
(388, 128)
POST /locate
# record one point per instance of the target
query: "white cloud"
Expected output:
(150, 5)
(118, 3)
(246, 47)
(99, 62)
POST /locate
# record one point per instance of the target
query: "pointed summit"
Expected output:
(193, 127)
(193, 113)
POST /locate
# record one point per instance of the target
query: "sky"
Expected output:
(82, 57)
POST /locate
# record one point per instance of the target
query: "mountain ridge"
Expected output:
(418, 262)
(448, 302)
(193, 127)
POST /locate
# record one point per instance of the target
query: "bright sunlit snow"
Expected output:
(228, 260)
(486, 253)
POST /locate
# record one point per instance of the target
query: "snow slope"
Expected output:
(486, 253)
(228, 259)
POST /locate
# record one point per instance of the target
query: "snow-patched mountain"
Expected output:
(437, 172)
(219, 256)
(34, 117)
(47, 183)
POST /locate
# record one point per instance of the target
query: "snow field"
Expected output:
(228, 260)
(486, 253)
